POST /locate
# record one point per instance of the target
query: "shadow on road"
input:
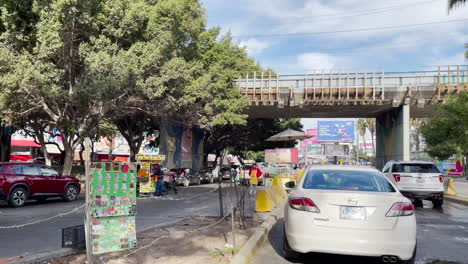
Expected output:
(275, 238)
(32, 202)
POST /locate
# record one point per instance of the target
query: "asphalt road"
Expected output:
(46, 236)
(442, 239)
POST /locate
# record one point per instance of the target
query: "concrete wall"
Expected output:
(393, 136)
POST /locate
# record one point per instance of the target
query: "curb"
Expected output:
(457, 199)
(62, 252)
(258, 237)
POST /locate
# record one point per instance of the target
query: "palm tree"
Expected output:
(456, 3)
(362, 127)
(370, 122)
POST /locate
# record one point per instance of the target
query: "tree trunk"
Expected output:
(111, 148)
(69, 156)
(81, 154)
(373, 144)
(365, 146)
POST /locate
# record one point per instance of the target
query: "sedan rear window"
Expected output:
(415, 168)
(352, 180)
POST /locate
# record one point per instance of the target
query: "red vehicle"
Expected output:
(21, 181)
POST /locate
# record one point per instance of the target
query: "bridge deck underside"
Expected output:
(343, 102)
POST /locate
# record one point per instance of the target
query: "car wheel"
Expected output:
(18, 197)
(412, 259)
(418, 203)
(71, 193)
(437, 203)
(288, 253)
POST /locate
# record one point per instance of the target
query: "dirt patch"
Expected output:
(196, 240)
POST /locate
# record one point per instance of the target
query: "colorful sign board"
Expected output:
(281, 155)
(113, 195)
(149, 157)
(450, 167)
(113, 234)
(337, 131)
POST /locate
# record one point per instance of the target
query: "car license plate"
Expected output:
(420, 180)
(353, 213)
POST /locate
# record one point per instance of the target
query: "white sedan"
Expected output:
(349, 210)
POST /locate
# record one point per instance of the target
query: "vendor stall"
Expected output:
(145, 168)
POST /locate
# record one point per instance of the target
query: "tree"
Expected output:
(84, 58)
(447, 133)
(370, 124)
(362, 129)
(455, 3)
(5, 139)
(466, 52)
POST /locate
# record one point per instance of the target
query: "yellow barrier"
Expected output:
(269, 198)
(450, 190)
(263, 201)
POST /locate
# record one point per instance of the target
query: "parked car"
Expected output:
(207, 176)
(186, 176)
(417, 180)
(225, 173)
(22, 181)
(349, 210)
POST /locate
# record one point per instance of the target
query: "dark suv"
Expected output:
(20, 181)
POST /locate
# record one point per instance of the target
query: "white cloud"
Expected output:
(457, 59)
(289, 17)
(318, 61)
(255, 46)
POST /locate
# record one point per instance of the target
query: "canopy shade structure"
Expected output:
(289, 135)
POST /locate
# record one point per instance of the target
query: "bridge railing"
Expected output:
(441, 79)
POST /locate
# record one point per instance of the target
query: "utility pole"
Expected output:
(89, 252)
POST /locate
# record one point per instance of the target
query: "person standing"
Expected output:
(159, 178)
(254, 173)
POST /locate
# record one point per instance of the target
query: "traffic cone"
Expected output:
(450, 190)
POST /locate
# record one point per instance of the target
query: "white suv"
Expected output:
(417, 180)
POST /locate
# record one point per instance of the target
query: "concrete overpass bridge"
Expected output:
(390, 97)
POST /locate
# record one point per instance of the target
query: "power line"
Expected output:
(347, 15)
(349, 30)
(360, 48)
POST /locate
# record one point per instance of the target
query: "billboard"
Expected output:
(450, 167)
(281, 155)
(311, 145)
(337, 131)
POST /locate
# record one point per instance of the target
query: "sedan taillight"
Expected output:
(441, 178)
(303, 204)
(396, 177)
(401, 209)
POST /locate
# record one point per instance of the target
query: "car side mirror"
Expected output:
(290, 184)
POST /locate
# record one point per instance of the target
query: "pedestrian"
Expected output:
(233, 174)
(159, 178)
(254, 173)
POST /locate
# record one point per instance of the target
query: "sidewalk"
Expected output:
(461, 188)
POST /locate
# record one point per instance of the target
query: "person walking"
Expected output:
(159, 178)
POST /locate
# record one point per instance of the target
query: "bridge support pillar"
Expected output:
(393, 136)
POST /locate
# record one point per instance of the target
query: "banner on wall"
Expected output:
(113, 195)
(450, 167)
(281, 155)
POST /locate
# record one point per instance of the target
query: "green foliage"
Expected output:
(447, 133)
(244, 140)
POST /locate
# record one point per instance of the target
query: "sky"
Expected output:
(293, 37)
